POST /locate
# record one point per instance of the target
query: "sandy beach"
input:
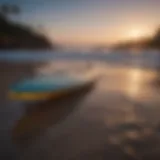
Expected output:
(20, 122)
(117, 119)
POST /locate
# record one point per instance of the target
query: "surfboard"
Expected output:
(44, 87)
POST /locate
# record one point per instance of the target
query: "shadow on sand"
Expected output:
(38, 117)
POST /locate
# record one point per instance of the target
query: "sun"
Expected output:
(136, 34)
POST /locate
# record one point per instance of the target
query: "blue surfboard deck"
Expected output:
(44, 87)
(46, 84)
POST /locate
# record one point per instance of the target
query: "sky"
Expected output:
(90, 22)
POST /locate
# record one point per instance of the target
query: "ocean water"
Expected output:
(145, 58)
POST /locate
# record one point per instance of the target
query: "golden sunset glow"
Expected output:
(89, 37)
(93, 22)
(136, 34)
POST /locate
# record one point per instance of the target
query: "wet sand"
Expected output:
(117, 119)
(10, 112)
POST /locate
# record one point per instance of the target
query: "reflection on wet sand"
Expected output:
(40, 116)
(135, 78)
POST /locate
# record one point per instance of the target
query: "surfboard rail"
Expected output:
(45, 95)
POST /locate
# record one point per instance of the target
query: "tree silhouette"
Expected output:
(7, 9)
(15, 35)
(155, 42)
(157, 37)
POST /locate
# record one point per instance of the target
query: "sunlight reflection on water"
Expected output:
(132, 82)
(134, 79)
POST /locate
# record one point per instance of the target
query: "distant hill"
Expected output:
(18, 36)
(155, 41)
(145, 43)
